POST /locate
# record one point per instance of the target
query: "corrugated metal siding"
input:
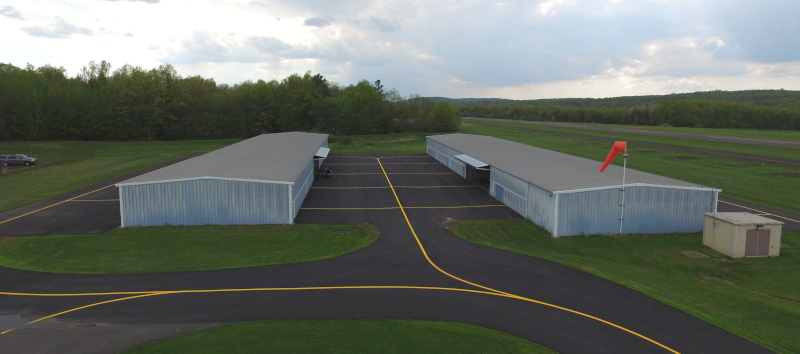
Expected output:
(647, 210)
(446, 156)
(205, 202)
(541, 206)
(301, 187)
(516, 190)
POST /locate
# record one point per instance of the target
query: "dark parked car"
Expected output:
(19, 160)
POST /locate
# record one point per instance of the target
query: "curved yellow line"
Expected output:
(491, 291)
(501, 292)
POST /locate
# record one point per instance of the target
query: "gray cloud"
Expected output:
(318, 21)
(385, 25)
(11, 12)
(269, 44)
(60, 28)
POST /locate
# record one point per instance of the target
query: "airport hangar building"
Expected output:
(262, 180)
(568, 195)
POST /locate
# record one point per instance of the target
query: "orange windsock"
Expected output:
(618, 147)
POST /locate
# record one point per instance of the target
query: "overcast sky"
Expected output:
(511, 49)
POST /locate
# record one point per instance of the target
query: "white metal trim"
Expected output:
(555, 216)
(121, 210)
(291, 205)
(707, 189)
(322, 153)
(201, 178)
(471, 161)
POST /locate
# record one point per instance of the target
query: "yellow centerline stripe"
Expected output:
(760, 211)
(155, 293)
(96, 190)
(386, 187)
(388, 163)
(422, 207)
(498, 292)
(76, 309)
(393, 173)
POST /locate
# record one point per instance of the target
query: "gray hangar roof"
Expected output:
(550, 170)
(279, 157)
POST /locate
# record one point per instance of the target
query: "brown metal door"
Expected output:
(751, 245)
(763, 242)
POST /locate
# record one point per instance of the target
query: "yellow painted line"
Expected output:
(413, 163)
(155, 293)
(374, 164)
(349, 187)
(96, 190)
(501, 293)
(393, 173)
(458, 207)
(386, 187)
(759, 211)
(350, 208)
(95, 200)
(76, 309)
(350, 164)
(433, 207)
(469, 186)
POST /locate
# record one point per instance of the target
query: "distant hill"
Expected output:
(458, 101)
(771, 98)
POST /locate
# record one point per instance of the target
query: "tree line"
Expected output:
(133, 103)
(679, 112)
(772, 98)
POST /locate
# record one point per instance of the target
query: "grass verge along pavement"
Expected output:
(337, 336)
(183, 248)
(755, 298)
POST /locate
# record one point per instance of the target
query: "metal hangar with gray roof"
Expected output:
(568, 195)
(261, 180)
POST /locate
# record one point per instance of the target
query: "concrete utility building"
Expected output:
(262, 180)
(742, 234)
(568, 195)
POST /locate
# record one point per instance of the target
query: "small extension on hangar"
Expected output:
(261, 180)
(568, 195)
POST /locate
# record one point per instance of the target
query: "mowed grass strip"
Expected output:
(343, 336)
(755, 298)
(721, 146)
(61, 171)
(183, 248)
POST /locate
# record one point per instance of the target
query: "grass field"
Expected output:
(343, 336)
(793, 135)
(755, 298)
(183, 248)
(61, 171)
(389, 143)
(755, 150)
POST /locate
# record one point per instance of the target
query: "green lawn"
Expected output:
(754, 184)
(183, 248)
(401, 143)
(61, 171)
(343, 336)
(755, 150)
(755, 298)
(793, 135)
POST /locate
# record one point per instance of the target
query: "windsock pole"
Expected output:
(624, 167)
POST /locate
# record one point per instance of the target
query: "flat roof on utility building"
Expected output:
(279, 157)
(550, 170)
